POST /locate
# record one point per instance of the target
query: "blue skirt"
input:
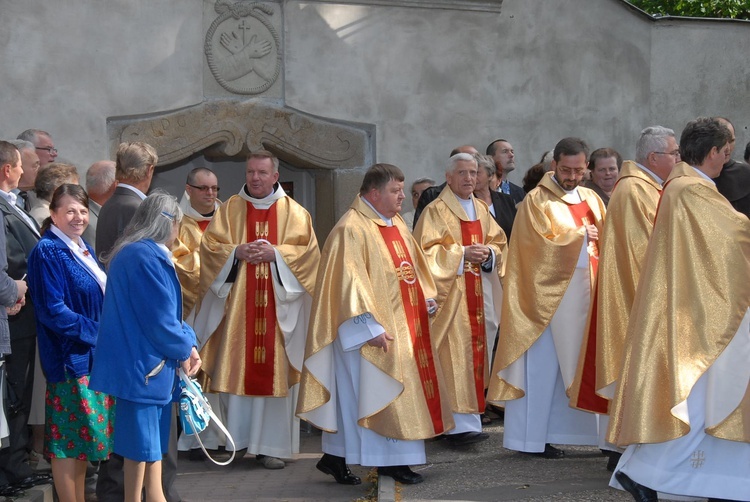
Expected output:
(141, 430)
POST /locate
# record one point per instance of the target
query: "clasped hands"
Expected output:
(476, 253)
(255, 252)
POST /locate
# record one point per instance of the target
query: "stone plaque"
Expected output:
(243, 52)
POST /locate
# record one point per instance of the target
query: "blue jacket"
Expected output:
(142, 337)
(68, 303)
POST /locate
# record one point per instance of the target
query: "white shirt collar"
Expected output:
(134, 189)
(703, 175)
(388, 221)
(82, 256)
(9, 196)
(650, 173)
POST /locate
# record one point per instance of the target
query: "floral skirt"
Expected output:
(78, 421)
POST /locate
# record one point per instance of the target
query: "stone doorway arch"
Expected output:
(335, 153)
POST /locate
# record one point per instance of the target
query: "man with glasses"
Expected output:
(630, 220)
(551, 265)
(734, 180)
(42, 141)
(198, 205)
(681, 405)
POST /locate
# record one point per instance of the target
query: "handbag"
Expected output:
(196, 414)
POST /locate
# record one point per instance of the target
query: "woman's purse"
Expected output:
(196, 414)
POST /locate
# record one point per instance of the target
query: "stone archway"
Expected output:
(337, 153)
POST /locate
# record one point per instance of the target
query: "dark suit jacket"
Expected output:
(8, 293)
(20, 240)
(516, 193)
(114, 216)
(734, 184)
(505, 211)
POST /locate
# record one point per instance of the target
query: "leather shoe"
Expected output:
(639, 492)
(466, 438)
(401, 473)
(9, 491)
(336, 467)
(33, 480)
(550, 452)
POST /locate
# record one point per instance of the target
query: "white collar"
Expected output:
(134, 189)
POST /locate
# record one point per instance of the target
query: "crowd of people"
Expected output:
(604, 303)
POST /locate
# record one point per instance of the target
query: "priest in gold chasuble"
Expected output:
(682, 404)
(198, 204)
(372, 380)
(462, 242)
(551, 266)
(259, 258)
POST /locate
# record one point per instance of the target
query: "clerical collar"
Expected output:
(133, 189)
(209, 215)
(650, 173)
(265, 202)
(388, 221)
(703, 175)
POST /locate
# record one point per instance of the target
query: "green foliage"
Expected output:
(735, 9)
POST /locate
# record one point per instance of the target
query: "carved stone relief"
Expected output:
(243, 48)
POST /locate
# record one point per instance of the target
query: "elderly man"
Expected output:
(681, 405)
(604, 166)
(30, 163)
(734, 180)
(419, 186)
(22, 234)
(198, 205)
(630, 220)
(134, 168)
(551, 265)
(43, 145)
(462, 243)
(100, 185)
(505, 162)
(259, 257)
(383, 397)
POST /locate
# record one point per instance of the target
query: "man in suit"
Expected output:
(734, 180)
(505, 161)
(100, 185)
(30, 163)
(134, 169)
(22, 235)
(43, 145)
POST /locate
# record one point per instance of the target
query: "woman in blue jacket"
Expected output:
(142, 342)
(67, 287)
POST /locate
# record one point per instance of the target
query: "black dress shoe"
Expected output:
(402, 474)
(550, 452)
(336, 467)
(639, 492)
(9, 491)
(33, 480)
(466, 438)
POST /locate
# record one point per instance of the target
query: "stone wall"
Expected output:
(427, 74)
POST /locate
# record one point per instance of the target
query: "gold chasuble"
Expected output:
(693, 293)
(623, 242)
(442, 231)
(548, 235)
(247, 353)
(368, 267)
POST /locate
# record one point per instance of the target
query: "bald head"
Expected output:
(100, 181)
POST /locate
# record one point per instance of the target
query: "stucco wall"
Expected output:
(428, 79)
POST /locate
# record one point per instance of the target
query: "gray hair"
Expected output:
(423, 180)
(154, 219)
(100, 176)
(22, 144)
(459, 157)
(487, 163)
(652, 139)
(32, 135)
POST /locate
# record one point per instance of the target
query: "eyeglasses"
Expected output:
(205, 189)
(50, 149)
(675, 154)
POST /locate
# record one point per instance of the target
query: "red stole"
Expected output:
(471, 233)
(587, 397)
(260, 309)
(413, 301)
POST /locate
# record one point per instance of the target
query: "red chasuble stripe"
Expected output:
(587, 397)
(471, 233)
(417, 318)
(260, 317)
(203, 224)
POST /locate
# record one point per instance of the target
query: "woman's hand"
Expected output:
(192, 364)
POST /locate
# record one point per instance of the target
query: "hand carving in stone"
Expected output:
(240, 63)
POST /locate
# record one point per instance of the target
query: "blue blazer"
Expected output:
(142, 337)
(68, 303)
